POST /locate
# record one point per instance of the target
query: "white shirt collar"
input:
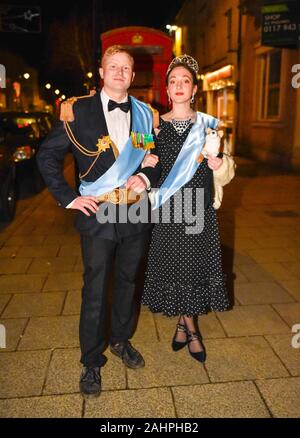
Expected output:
(105, 98)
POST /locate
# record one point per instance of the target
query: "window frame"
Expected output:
(262, 56)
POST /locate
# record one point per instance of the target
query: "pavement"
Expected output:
(252, 368)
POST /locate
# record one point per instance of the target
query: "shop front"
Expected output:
(219, 95)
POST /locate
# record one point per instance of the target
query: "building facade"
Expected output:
(248, 86)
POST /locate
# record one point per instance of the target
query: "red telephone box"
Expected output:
(152, 52)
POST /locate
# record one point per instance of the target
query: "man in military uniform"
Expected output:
(97, 129)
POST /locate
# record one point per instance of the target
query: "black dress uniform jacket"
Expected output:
(89, 125)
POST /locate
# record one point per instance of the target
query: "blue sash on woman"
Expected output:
(186, 163)
(129, 159)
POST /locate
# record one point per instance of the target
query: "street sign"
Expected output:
(21, 19)
(281, 24)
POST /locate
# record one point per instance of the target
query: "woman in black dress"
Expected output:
(184, 275)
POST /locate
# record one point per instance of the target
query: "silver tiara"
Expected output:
(184, 59)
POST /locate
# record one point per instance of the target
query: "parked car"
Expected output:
(7, 181)
(24, 133)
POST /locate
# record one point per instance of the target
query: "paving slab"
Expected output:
(51, 332)
(17, 265)
(63, 406)
(289, 355)
(271, 255)
(255, 273)
(278, 271)
(24, 240)
(252, 320)
(290, 312)
(245, 358)
(226, 400)
(24, 374)
(42, 265)
(70, 250)
(65, 368)
(65, 281)
(9, 252)
(72, 303)
(238, 276)
(261, 293)
(146, 329)
(282, 396)
(164, 367)
(292, 287)
(4, 299)
(38, 251)
(21, 283)
(142, 403)
(293, 268)
(14, 329)
(27, 305)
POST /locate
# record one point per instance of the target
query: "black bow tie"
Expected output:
(124, 106)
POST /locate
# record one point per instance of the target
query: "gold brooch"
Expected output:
(104, 143)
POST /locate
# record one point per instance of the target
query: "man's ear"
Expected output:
(133, 76)
(220, 133)
(101, 72)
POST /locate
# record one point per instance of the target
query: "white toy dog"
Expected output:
(212, 144)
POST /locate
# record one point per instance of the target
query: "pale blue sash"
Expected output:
(129, 159)
(186, 163)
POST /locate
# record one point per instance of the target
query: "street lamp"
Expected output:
(171, 28)
(26, 75)
(48, 86)
(89, 74)
(63, 97)
(57, 91)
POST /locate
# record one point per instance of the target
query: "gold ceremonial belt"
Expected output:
(121, 196)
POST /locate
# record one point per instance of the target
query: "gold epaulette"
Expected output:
(155, 115)
(66, 108)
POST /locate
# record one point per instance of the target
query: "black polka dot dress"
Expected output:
(184, 273)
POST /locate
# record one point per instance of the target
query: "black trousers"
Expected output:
(103, 259)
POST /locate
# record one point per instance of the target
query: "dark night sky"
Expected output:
(116, 13)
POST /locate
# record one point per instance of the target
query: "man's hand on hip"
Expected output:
(83, 203)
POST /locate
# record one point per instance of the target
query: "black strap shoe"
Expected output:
(129, 355)
(178, 345)
(90, 382)
(200, 356)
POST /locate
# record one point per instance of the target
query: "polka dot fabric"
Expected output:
(184, 274)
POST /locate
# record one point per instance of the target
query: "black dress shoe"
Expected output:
(90, 382)
(200, 356)
(176, 345)
(129, 355)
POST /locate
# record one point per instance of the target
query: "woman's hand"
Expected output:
(136, 183)
(214, 163)
(150, 160)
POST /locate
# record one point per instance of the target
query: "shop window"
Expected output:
(269, 84)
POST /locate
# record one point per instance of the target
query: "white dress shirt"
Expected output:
(117, 121)
(118, 125)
